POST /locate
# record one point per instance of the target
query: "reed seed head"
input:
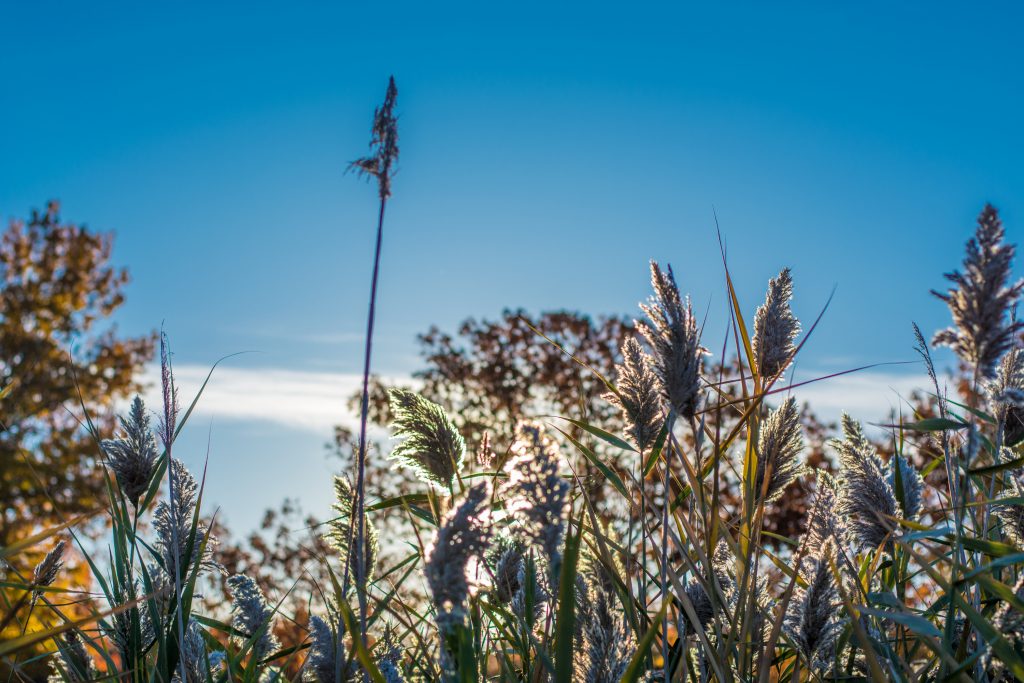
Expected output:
(779, 446)
(1006, 396)
(462, 535)
(865, 496)
(433, 447)
(45, 573)
(638, 397)
(675, 341)
(380, 163)
(175, 522)
(75, 665)
(982, 298)
(133, 455)
(327, 661)
(775, 328)
(341, 530)
(811, 621)
(250, 613)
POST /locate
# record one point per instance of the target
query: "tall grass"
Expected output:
(911, 567)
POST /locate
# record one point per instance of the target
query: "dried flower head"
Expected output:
(380, 164)
(1006, 397)
(638, 396)
(775, 328)
(389, 657)
(824, 525)
(73, 663)
(866, 497)
(721, 573)
(250, 613)
(778, 450)
(462, 535)
(132, 456)
(536, 492)
(433, 447)
(504, 559)
(327, 661)
(1011, 512)
(982, 298)
(606, 645)
(173, 526)
(46, 571)
(812, 620)
(341, 530)
(675, 340)
(913, 486)
(197, 663)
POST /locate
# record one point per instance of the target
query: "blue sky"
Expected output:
(547, 153)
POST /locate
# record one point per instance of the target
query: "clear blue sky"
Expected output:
(547, 153)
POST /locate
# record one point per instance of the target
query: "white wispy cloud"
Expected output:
(299, 399)
(868, 395)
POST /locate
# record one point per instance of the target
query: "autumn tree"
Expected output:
(60, 359)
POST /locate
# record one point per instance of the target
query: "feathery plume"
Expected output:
(913, 486)
(197, 662)
(462, 535)
(504, 558)
(340, 529)
(537, 492)
(811, 621)
(775, 327)
(250, 613)
(675, 340)
(982, 298)
(1012, 513)
(173, 526)
(73, 663)
(433, 447)
(865, 494)
(606, 646)
(46, 571)
(132, 456)
(825, 525)
(704, 607)
(638, 397)
(327, 661)
(1006, 397)
(778, 451)
(383, 144)
(390, 657)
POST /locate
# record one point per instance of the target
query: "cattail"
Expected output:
(250, 613)
(433, 447)
(327, 661)
(606, 644)
(132, 456)
(866, 497)
(537, 493)
(46, 571)
(638, 396)
(778, 452)
(462, 535)
(675, 340)
(775, 328)
(811, 621)
(982, 298)
(1006, 397)
(73, 663)
(340, 529)
(383, 143)
(172, 522)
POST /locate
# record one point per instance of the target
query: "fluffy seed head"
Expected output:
(825, 526)
(1012, 513)
(536, 492)
(175, 522)
(383, 144)
(606, 646)
(811, 621)
(913, 486)
(675, 341)
(433, 447)
(1006, 396)
(250, 613)
(46, 571)
(775, 327)
(132, 456)
(75, 664)
(778, 452)
(638, 396)
(326, 661)
(982, 298)
(866, 498)
(341, 530)
(196, 660)
(463, 534)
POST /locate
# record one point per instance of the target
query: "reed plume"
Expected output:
(340, 530)
(250, 613)
(913, 486)
(866, 497)
(1006, 397)
(824, 525)
(197, 663)
(45, 573)
(778, 453)
(606, 643)
(133, 456)
(775, 328)
(675, 341)
(537, 494)
(327, 661)
(811, 620)
(172, 521)
(433, 447)
(637, 396)
(73, 663)
(380, 163)
(1011, 512)
(982, 298)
